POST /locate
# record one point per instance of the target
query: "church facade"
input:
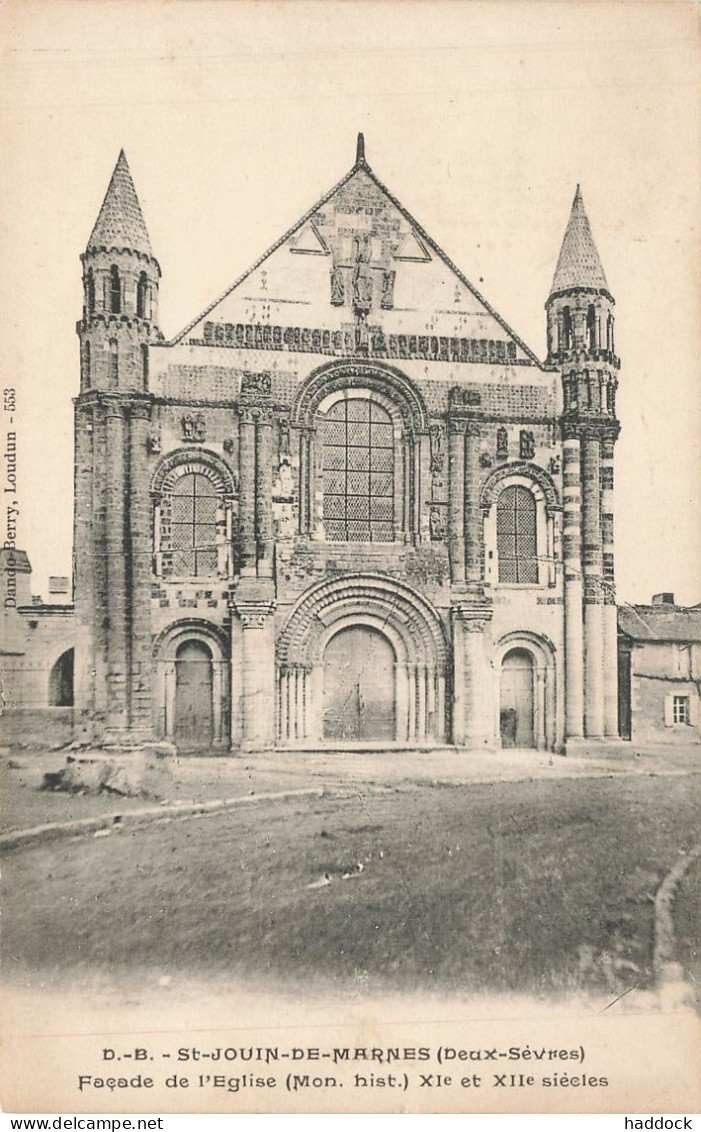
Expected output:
(346, 506)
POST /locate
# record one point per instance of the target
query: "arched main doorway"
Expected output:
(359, 686)
(193, 725)
(517, 700)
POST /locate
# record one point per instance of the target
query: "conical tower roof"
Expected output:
(120, 223)
(579, 264)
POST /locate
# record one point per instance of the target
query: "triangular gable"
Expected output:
(358, 221)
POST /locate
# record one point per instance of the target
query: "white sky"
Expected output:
(481, 118)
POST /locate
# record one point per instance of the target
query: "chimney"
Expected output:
(663, 599)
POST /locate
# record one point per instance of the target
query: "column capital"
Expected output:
(474, 619)
(112, 407)
(253, 614)
(256, 414)
(140, 410)
(590, 428)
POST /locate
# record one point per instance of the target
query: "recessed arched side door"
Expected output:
(194, 718)
(360, 687)
(517, 700)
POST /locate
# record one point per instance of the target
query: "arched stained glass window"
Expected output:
(194, 526)
(516, 536)
(357, 438)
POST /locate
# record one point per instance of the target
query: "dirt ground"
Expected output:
(23, 804)
(487, 877)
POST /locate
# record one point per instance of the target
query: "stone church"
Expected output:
(347, 505)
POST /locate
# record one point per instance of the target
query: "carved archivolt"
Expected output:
(539, 476)
(393, 604)
(199, 460)
(169, 639)
(376, 376)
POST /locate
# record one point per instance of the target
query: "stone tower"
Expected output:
(581, 343)
(112, 534)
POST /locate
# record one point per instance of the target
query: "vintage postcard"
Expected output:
(351, 627)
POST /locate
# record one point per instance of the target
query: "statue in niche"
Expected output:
(554, 465)
(283, 437)
(228, 445)
(526, 445)
(388, 278)
(154, 443)
(502, 444)
(338, 287)
(284, 484)
(362, 275)
(361, 335)
(435, 525)
(193, 427)
(435, 433)
(485, 460)
(285, 523)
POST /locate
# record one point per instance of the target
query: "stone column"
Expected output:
(255, 666)
(264, 493)
(572, 558)
(100, 566)
(610, 612)
(140, 549)
(473, 511)
(422, 478)
(83, 574)
(473, 679)
(115, 549)
(458, 681)
(456, 505)
(247, 490)
(303, 510)
(593, 606)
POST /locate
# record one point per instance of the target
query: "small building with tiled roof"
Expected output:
(659, 671)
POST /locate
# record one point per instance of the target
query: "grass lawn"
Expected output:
(538, 887)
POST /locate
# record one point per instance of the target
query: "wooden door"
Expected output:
(193, 697)
(516, 715)
(359, 687)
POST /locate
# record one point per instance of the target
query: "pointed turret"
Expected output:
(120, 223)
(120, 282)
(579, 264)
(580, 305)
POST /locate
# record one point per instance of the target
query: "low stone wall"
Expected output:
(37, 728)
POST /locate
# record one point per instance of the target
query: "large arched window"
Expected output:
(193, 516)
(517, 548)
(194, 527)
(357, 438)
(363, 443)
